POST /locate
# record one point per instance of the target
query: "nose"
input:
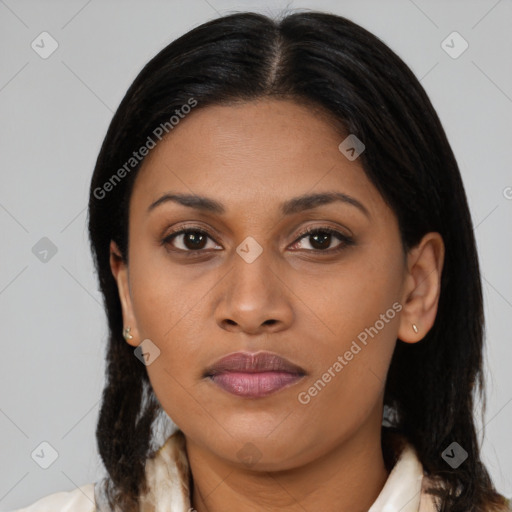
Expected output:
(254, 299)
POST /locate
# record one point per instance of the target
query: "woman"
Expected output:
(286, 254)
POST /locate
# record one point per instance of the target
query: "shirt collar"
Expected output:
(168, 478)
(402, 490)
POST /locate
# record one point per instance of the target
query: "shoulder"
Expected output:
(79, 500)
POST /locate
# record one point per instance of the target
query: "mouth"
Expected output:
(254, 375)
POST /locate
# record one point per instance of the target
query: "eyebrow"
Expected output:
(289, 207)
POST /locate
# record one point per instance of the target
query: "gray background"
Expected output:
(54, 115)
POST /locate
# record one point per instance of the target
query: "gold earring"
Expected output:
(414, 328)
(126, 333)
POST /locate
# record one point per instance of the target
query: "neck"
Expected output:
(348, 478)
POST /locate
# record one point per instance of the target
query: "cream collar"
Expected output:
(168, 480)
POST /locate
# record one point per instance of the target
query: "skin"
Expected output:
(326, 454)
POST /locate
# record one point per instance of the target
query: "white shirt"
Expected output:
(168, 483)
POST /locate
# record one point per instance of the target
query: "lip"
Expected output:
(254, 375)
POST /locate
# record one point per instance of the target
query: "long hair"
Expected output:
(339, 68)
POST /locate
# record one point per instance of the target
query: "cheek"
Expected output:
(166, 305)
(359, 318)
(353, 298)
(162, 295)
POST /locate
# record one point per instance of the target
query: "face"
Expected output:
(203, 283)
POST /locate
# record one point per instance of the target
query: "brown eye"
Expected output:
(320, 239)
(188, 240)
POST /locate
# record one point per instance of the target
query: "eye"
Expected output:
(188, 240)
(322, 238)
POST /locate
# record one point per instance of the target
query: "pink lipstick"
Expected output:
(254, 375)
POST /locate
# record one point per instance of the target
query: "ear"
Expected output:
(422, 288)
(120, 272)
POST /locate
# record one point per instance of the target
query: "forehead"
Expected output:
(265, 151)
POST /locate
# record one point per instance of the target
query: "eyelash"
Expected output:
(346, 240)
